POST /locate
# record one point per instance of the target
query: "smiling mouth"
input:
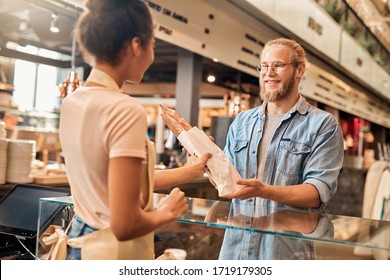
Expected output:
(273, 82)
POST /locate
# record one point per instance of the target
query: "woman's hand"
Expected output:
(200, 164)
(175, 204)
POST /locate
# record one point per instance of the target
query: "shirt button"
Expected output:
(253, 152)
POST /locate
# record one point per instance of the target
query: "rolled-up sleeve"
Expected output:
(323, 166)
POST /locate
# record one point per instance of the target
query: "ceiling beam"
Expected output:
(34, 58)
(57, 7)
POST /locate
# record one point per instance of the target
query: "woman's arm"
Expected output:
(172, 177)
(127, 219)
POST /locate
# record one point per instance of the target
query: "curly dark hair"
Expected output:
(107, 25)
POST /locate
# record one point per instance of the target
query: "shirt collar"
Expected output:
(301, 107)
(102, 78)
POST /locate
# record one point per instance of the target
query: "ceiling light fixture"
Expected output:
(54, 24)
(211, 78)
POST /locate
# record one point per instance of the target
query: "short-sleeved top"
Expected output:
(96, 124)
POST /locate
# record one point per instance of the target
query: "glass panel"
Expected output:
(317, 226)
(65, 200)
(282, 233)
(48, 207)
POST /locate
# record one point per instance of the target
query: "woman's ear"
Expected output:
(135, 47)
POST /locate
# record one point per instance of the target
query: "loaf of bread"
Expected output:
(173, 125)
(174, 121)
(219, 169)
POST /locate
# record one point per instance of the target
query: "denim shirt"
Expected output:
(307, 147)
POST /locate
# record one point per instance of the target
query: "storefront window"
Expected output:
(24, 81)
(47, 89)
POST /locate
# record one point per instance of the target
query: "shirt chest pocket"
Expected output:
(291, 157)
(240, 150)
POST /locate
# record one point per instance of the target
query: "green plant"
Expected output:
(367, 44)
(387, 67)
(349, 26)
(333, 10)
(378, 58)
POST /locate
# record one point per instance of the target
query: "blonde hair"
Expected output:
(298, 53)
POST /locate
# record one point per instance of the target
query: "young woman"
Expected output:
(103, 136)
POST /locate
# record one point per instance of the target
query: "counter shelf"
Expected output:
(282, 223)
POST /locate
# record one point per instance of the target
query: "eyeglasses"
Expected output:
(276, 66)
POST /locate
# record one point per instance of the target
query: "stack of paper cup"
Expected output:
(3, 160)
(21, 156)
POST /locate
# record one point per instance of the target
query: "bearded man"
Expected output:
(286, 150)
(289, 154)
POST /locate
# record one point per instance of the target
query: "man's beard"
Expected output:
(275, 95)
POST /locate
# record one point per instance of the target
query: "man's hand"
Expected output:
(251, 188)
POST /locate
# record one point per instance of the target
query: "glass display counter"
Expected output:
(250, 232)
(46, 208)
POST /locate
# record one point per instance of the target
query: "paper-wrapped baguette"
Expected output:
(221, 172)
(174, 118)
(173, 125)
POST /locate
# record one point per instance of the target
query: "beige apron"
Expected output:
(103, 245)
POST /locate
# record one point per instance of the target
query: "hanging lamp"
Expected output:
(71, 83)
